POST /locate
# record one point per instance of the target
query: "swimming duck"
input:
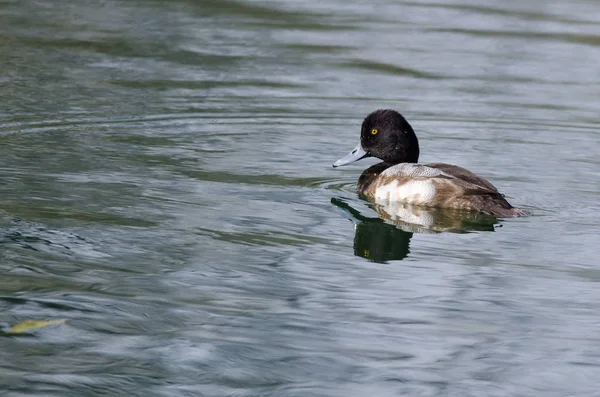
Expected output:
(386, 134)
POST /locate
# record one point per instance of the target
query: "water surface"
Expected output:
(166, 187)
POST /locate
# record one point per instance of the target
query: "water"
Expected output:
(166, 187)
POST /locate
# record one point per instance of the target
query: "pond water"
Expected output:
(166, 188)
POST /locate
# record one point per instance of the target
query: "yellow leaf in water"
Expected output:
(29, 325)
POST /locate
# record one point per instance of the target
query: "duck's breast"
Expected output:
(406, 182)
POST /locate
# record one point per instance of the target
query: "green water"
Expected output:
(166, 187)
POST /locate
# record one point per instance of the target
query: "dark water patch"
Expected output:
(48, 213)
(32, 236)
(264, 238)
(586, 39)
(141, 49)
(513, 12)
(387, 68)
(254, 11)
(192, 85)
(318, 48)
(325, 26)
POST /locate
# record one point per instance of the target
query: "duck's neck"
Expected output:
(404, 155)
(406, 150)
(370, 174)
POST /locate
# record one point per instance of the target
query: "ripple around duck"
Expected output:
(335, 185)
(263, 179)
(271, 180)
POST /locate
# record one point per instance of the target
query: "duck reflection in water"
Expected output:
(387, 237)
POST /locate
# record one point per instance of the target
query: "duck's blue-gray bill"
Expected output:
(356, 154)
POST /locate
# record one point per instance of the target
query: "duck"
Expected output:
(386, 135)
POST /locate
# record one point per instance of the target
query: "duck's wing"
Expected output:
(460, 179)
(472, 183)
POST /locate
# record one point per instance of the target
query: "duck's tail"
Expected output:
(520, 212)
(511, 212)
(496, 205)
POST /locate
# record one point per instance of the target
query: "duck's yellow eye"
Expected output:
(374, 131)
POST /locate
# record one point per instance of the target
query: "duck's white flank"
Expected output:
(412, 192)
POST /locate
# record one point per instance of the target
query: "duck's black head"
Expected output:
(385, 134)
